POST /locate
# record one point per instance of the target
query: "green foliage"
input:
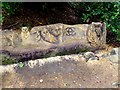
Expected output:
(7, 60)
(118, 35)
(101, 11)
(44, 6)
(1, 19)
(8, 9)
(21, 64)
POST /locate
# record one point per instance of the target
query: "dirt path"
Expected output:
(63, 72)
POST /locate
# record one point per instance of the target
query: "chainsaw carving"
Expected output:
(46, 36)
(96, 34)
(10, 38)
(25, 36)
(54, 38)
(50, 33)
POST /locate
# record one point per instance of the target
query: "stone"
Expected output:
(94, 58)
(90, 56)
(112, 52)
(115, 51)
(113, 56)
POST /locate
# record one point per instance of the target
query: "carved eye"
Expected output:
(43, 32)
(24, 29)
(46, 32)
(59, 29)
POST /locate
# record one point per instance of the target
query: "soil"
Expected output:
(63, 74)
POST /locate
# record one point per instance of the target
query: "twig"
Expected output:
(11, 25)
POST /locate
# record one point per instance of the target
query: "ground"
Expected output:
(62, 72)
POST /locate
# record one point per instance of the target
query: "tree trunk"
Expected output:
(52, 40)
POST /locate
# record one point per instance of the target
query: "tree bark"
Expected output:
(55, 39)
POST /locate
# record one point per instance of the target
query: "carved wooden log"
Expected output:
(53, 39)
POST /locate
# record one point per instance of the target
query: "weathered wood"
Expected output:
(96, 34)
(54, 38)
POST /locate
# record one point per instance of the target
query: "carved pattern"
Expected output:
(49, 33)
(96, 34)
(36, 35)
(56, 29)
(70, 31)
(52, 33)
(46, 36)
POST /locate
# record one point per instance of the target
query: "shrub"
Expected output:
(100, 11)
(8, 9)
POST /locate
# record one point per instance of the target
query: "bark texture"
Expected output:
(54, 39)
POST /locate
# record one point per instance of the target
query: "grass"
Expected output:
(7, 60)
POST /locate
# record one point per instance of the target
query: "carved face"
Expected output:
(45, 32)
(24, 29)
(97, 27)
(35, 33)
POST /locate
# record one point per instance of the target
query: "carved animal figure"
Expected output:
(57, 30)
(25, 33)
(35, 33)
(25, 36)
(10, 38)
(96, 34)
(46, 36)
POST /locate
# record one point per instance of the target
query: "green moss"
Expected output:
(6, 59)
